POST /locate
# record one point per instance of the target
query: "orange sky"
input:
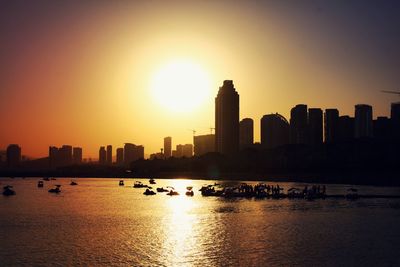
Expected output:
(80, 74)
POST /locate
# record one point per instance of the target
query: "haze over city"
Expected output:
(95, 73)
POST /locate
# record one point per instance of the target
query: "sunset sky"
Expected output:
(87, 73)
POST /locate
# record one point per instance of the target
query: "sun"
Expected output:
(181, 86)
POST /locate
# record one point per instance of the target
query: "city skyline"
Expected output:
(97, 89)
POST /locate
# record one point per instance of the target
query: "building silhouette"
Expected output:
(331, 125)
(382, 128)
(395, 120)
(299, 124)
(227, 119)
(167, 147)
(363, 121)
(59, 157)
(204, 144)
(13, 156)
(109, 155)
(132, 153)
(102, 155)
(275, 131)
(77, 155)
(345, 128)
(120, 156)
(315, 126)
(246, 133)
(183, 151)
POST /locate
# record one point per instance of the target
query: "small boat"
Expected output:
(73, 183)
(139, 184)
(149, 192)
(121, 182)
(161, 190)
(56, 189)
(189, 191)
(40, 183)
(152, 181)
(8, 191)
(172, 193)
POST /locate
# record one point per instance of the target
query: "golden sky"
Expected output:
(81, 73)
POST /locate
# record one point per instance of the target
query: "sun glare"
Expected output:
(181, 86)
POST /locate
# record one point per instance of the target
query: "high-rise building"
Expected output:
(167, 147)
(345, 128)
(120, 156)
(246, 133)
(363, 121)
(227, 119)
(183, 151)
(59, 157)
(315, 126)
(331, 125)
(109, 155)
(77, 155)
(382, 128)
(275, 131)
(102, 155)
(13, 156)
(299, 125)
(132, 153)
(395, 113)
(204, 144)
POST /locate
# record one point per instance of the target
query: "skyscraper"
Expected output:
(274, 131)
(331, 125)
(345, 128)
(109, 155)
(120, 156)
(315, 126)
(132, 152)
(246, 133)
(13, 155)
(227, 119)
(363, 121)
(299, 124)
(77, 155)
(167, 147)
(395, 120)
(102, 155)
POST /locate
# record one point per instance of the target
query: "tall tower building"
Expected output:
(227, 119)
(109, 154)
(77, 155)
(120, 156)
(246, 133)
(363, 121)
(274, 131)
(331, 123)
(315, 126)
(13, 156)
(167, 147)
(299, 124)
(102, 155)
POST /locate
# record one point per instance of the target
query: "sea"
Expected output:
(99, 223)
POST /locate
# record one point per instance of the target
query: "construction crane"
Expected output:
(391, 92)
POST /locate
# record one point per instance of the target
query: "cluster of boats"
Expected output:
(149, 192)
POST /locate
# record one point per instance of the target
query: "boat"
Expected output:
(172, 193)
(46, 179)
(121, 182)
(73, 183)
(189, 191)
(139, 184)
(162, 189)
(149, 192)
(40, 183)
(56, 189)
(152, 181)
(8, 191)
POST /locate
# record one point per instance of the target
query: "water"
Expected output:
(99, 223)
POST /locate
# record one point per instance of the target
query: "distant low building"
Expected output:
(59, 157)
(132, 153)
(183, 151)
